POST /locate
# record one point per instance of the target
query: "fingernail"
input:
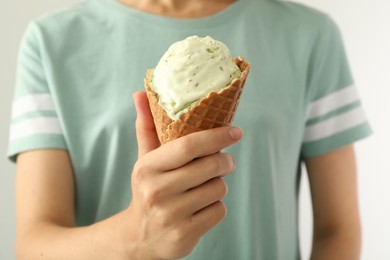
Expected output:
(235, 133)
(233, 162)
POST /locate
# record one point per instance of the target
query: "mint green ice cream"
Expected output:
(191, 69)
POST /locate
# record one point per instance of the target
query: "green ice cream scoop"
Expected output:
(191, 69)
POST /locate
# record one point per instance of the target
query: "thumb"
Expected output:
(144, 125)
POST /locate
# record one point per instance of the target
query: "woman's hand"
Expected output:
(177, 188)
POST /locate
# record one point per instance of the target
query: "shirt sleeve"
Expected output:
(34, 120)
(335, 116)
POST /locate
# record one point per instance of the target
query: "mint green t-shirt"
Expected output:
(78, 68)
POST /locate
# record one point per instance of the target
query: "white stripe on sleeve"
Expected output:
(32, 126)
(334, 125)
(332, 102)
(31, 103)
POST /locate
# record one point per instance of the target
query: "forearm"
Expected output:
(333, 185)
(337, 245)
(102, 240)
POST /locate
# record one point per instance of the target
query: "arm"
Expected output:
(333, 186)
(45, 212)
(176, 189)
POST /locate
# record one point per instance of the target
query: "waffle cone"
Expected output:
(215, 110)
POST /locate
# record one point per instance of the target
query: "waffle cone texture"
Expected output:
(214, 110)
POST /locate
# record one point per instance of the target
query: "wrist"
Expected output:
(130, 242)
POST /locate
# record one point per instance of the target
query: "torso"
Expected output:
(98, 53)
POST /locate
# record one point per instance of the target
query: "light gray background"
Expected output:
(366, 29)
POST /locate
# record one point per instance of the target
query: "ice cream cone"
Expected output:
(215, 110)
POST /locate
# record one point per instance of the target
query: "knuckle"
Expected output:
(139, 173)
(222, 164)
(152, 195)
(165, 219)
(228, 162)
(231, 161)
(181, 236)
(146, 187)
(220, 210)
(221, 187)
(214, 165)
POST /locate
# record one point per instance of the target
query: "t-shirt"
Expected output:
(79, 66)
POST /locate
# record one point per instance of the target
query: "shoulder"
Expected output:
(64, 21)
(293, 11)
(293, 16)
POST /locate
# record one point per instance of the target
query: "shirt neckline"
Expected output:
(227, 14)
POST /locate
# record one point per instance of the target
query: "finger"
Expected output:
(183, 150)
(202, 196)
(145, 129)
(208, 218)
(200, 171)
